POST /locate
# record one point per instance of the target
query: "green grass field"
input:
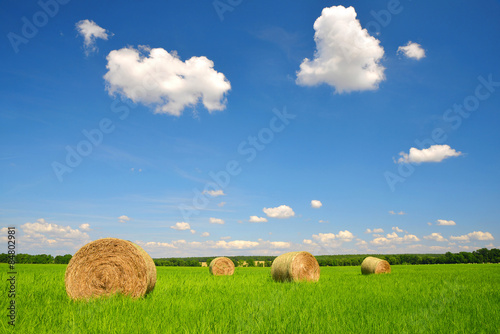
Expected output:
(412, 299)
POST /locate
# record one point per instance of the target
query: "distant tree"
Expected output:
(4, 258)
(62, 259)
(251, 262)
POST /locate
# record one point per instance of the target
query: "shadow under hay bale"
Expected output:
(374, 265)
(295, 266)
(221, 266)
(108, 266)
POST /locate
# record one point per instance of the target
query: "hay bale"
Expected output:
(374, 265)
(108, 266)
(295, 266)
(221, 266)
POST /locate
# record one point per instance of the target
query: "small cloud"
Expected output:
(323, 221)
(392, 235)
(476, 235)
(255, 219)
(90, 31)
(397, 229)
(435, 153)
(315, 204)
(214, 193)
(181, 226)
(205, 234)
(397, 213)
(361, 242)
(435, 237)
(221, 204)
(225, 238)
(443, 222)
(84, 227)
(281, 212)
(216, 221)
(193, 231)
(123, 219)
(375, 230)
(412, 50)
(328, 237)
(429, 223)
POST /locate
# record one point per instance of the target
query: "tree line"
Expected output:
(482, 255)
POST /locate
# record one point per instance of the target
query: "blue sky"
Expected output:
(386, 113)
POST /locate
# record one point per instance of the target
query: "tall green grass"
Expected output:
(412, 299)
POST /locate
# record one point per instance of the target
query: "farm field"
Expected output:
(412, 299)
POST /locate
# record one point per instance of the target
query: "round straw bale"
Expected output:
(221, 266)
(295, 266)
(374, 265)
(108, 266)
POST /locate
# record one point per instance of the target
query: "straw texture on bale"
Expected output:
(373, 265)
(108, 266)
(221, 266)
(295, 266)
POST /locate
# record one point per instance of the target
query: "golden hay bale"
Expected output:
(374, 265)
(295, 266)
(108, 266)
(221, 266)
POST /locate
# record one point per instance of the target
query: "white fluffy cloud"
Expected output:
(315, 204)
(280, 244)
(435, 153)
(157, 78)
(255, 219)
(181, 226)
(346, 58)
(476, 235)
(221, 204)
(215, 193)
(53, 230)
(435, 237)
(84, 227)
(282, 211)
(90, 31)
(193, 231)
(123, 219)
(216, 221)
(327, 237)
(412, 50)
(394, 239)
(397, 229)
(205, 234)
(375, 230)
(392, 212)
(443, 222)
(41, 234)
(236, 244)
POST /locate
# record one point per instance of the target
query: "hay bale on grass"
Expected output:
(374, 265)
(221, 266)
(108, 266)
(295, 266)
